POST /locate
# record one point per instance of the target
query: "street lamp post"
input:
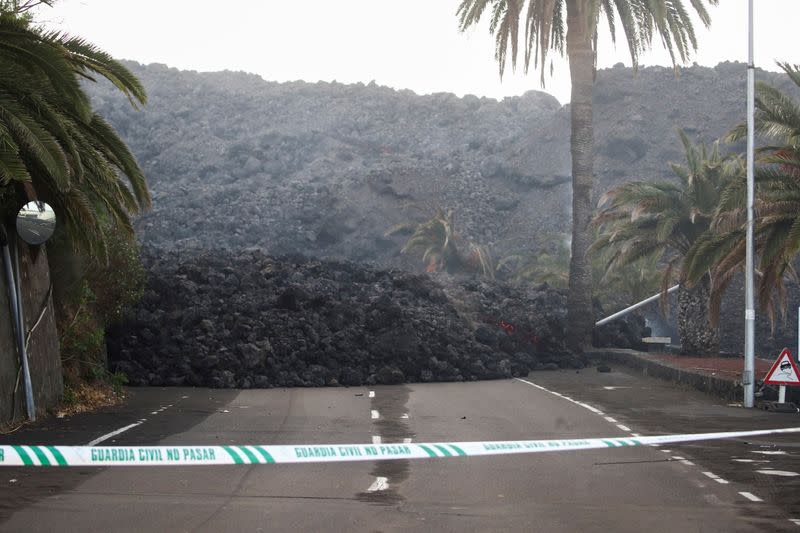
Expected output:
(748, 378)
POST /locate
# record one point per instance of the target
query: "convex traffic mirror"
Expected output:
(36, 222)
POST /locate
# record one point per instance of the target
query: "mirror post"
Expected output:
(15, 302)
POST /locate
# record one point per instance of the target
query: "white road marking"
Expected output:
(666, 451)
(795, 521)
(372, 394)
(636, 434)
(375, 414)
(154, 413)
(376, 439)
(381, 483)
(769, 452)
(591, 408)
(407, 440)
(624, 427)
(715, 478)
(750, 496)
(781, 473)
(114, 433)
(405, 415)
(615, 388)
(744, 460)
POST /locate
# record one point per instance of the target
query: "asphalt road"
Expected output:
(621, 489)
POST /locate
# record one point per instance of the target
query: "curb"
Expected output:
(725, 388)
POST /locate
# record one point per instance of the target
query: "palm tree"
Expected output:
(548, 263)
(777, 207)
(570, 27)
(51, 143)
(437, 241)
(642, 219)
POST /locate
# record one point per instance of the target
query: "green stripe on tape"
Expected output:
(444, 450)
(428, 450)
(57, 454)
(234, 455)
(265, 454)
(621, 442)
(41, 455)
(26, 459)
(250, 455)
(458, 450)
(609, 444)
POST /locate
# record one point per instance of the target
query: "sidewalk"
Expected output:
(721, 376)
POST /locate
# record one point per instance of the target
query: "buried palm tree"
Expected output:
(438, 243)
(777, 208)
(571, 27)
(53, 145)
(642, 219)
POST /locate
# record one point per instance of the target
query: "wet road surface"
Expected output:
(621, 489)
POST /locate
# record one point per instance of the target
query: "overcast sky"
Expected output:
(406, 44)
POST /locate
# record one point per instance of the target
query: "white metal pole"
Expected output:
(749, 310)
(635, 306)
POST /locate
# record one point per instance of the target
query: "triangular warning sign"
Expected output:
(784, 371)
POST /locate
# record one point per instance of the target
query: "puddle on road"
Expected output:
(392, 427)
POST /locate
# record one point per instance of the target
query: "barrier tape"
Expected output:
(325, 453)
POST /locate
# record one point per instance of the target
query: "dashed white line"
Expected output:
(781, 473)
(795, 521)
(610, 419)
(750, 496)
(405, 416)
(716, 478)
(375, 414)
(372, 394)
(407, 440)
(623, 427)
(769, 452)
(381, 483)
(376, 439)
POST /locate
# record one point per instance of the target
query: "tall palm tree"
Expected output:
(777, 206)
(52, 144)
(641, 219)
(571, 27)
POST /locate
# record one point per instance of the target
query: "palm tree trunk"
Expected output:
(698, 336)
(581, 67)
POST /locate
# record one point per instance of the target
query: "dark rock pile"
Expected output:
(225, 319)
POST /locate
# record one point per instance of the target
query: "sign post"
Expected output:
(784, 372)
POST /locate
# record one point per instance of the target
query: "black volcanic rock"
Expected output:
(344, 324)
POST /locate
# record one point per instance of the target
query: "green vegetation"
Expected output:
(662, 221)
(438, 244)
(570, 28)
(55, 148)
(777, 209)
(52, 146)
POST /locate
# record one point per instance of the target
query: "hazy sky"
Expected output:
(413, 44)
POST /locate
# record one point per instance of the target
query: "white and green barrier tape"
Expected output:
(20, 455)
